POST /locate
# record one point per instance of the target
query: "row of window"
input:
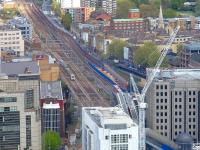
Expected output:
(161, 93)
(9, 38)
(161, 87)
(9, 34)
(119, 138)
(8, 109)
(10, 48)
(119, 147)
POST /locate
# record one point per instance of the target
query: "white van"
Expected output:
(72, 77)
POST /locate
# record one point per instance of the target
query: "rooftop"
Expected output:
(20, 21)
(51, 106)
(192, 46)
(20, 68)
(108, 117)
(51, 89)
(181, 74)
(8, 28)
(133, 19)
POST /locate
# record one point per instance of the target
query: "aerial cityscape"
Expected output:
(100, 75)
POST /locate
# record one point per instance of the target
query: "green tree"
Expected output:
(149, 10)
(123, 7)
(115, 49)
(177, 4)
(147, 55)
(197, 9)
(67, 20)
(169, 13)
(179, 48)
(51, 140)
(56, 7)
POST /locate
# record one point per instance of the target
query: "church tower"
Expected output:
(161, 22)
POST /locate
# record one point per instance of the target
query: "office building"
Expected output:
(52, 104)
(108, 129)
(11, 40)
(109, 6)
(173, 103)
(20, 125)
(22, 24)
(70, 4)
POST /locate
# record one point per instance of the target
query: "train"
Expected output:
(105, 75)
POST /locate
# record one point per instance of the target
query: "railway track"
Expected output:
(85, 93)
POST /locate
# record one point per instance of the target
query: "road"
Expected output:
(63, 47)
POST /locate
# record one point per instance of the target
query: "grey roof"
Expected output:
(184, 138)
(20, 68)
(181, 74)
(196, 57)
(51, 89)
(192, 46)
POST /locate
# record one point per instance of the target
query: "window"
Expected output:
(157, 100)
(165, 93)
(180, 99)
(194, 93)
(114, 138)
(175, 92)
(157, 87)
(190, 92)
(106, 137)
(6, 109)
(157, 93)
(180, 92)
(161, 93)
(123, 138)
(161, 87)
(165, 86)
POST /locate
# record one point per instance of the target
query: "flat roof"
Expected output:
(51, 89)
(109, 115)
(192, 46)
(185, 74)
(51, 106)
(20, 68)
(133, 19)
(8, 28)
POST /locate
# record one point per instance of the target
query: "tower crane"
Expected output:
(130, 107)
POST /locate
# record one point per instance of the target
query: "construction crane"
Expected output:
(139, 97)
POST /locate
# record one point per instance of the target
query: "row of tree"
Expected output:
(149, 9)
(146, 55)
(66, 18)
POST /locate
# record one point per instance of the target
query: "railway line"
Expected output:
(85, 93)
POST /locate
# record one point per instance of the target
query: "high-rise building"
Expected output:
(173, 103)
(11, 40)
(20, 125)
(70, 3)
(108, 128)
(109, 6)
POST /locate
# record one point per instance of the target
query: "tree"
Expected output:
(147, 55)
(67, 20)
(51, 140)
(115, 49)
(123, 7)
(56, 7)
(179, 48)
(197, 9)
(177, 4)
(169, 13)
(149, 10)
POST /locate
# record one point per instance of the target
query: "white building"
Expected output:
(11, 40)
(23, 24)
(108, 129)
(70, 3)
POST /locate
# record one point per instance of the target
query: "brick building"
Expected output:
(136, 24)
